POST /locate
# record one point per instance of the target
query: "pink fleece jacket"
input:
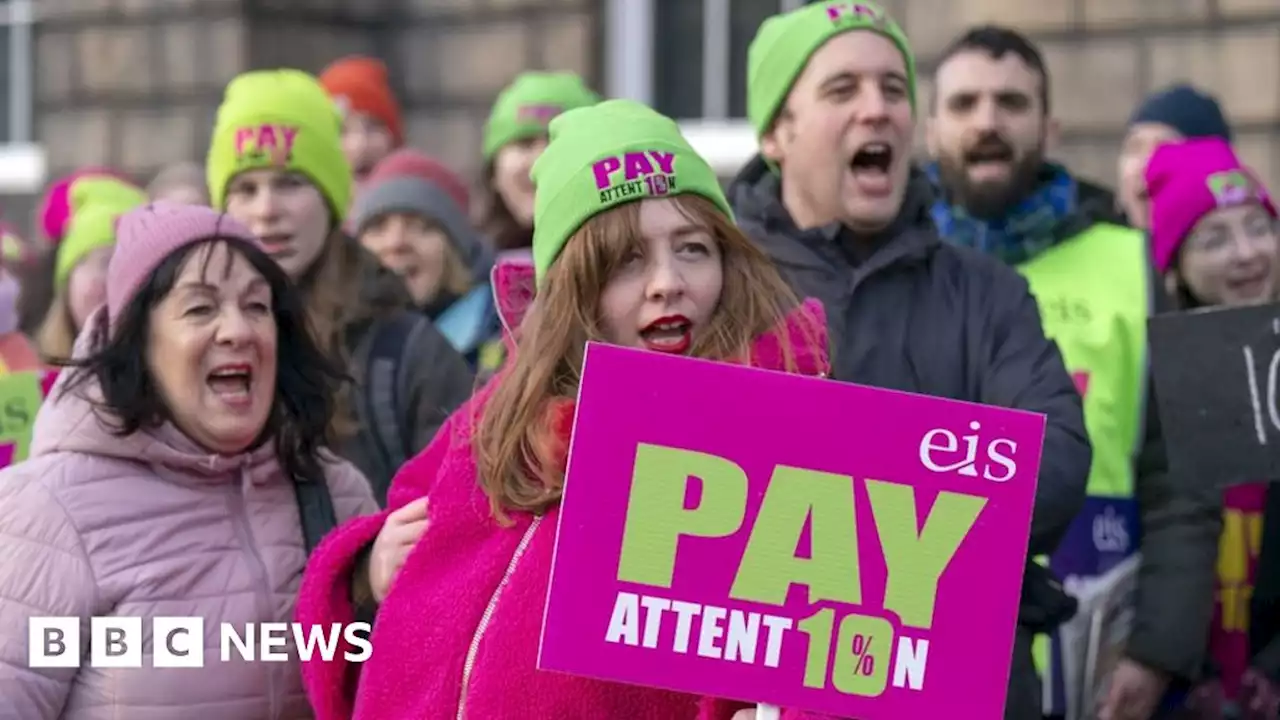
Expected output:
(458, 634)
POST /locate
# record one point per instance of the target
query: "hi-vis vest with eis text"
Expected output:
(1095, 295)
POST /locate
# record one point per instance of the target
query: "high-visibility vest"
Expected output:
(1095, 294)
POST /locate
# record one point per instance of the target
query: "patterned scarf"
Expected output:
(1025, 231)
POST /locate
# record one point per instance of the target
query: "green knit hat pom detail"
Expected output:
(96, 204)
(607, 155)
(528, 104)
(784, 43)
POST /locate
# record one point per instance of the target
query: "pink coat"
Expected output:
(150, 525)
(458, 634)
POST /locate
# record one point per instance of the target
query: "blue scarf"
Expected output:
(1025, 231)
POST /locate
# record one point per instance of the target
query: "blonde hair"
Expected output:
(516, 441)
(56, 336)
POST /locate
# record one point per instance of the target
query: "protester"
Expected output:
(169, 469)
(275, 163)
(606, 270)
(1176, 113)
(182, 182)
(1093, 279)
(514, 136)
(17, 352)
(31, 272)
(1214, 240)
(54, 210)
(412, 214)
(80, 266)
(371, 125)
(834, 200)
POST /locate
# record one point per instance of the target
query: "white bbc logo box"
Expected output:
(115, 642)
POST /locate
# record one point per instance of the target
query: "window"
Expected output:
(21, 162)
(688, 59)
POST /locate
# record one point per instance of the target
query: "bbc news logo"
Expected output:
(179, 642)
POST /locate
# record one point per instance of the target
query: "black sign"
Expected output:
(1216, 376)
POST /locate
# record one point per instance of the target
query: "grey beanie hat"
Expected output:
(412, 193)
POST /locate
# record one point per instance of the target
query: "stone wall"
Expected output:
(1104, 56)
(455, 55)
(135, 83)
(132, 83)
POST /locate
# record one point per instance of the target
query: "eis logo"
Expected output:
(942, 452)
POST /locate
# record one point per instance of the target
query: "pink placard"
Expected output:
(779, 539)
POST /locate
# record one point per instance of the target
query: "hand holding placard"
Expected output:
(741, 534)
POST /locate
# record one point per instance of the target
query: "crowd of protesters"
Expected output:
(319, 375)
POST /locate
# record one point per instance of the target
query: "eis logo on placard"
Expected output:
(179, 642)
(942, 452)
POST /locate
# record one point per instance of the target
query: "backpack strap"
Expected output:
(383, 397)
(315, 508)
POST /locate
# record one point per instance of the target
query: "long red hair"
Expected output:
(521, 437)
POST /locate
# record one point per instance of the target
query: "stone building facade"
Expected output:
(135, 83)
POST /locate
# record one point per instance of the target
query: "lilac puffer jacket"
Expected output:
(143, 526)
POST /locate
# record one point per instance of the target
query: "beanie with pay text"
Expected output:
(279, 119)
(1188, 180)
(785, 42)
(525, 107)
(607, 155)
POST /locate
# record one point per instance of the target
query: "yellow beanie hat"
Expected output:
(279, 119)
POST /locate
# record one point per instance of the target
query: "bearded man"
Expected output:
(988, 133)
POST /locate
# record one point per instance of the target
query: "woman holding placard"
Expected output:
(634, 245)
(1214, 238)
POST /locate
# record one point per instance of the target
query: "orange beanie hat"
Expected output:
(360, 84)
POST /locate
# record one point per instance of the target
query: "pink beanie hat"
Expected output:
(146, 236)
(1188, 180)
(55, 206)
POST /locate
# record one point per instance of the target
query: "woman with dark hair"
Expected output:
(179, 467)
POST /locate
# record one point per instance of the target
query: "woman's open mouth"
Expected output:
(277, 245)
(232, 384)
(672, 334)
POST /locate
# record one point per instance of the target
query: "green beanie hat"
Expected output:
(105, 190)
(280, 119)
(784, 43)
(525, 107)
(96, 203)
(607, 155)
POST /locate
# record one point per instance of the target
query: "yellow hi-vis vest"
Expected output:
(1095, 295)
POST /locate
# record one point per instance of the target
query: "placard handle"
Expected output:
(765, 711)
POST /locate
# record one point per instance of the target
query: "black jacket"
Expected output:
(922, 316)
(1181, 523)
(909, 312)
